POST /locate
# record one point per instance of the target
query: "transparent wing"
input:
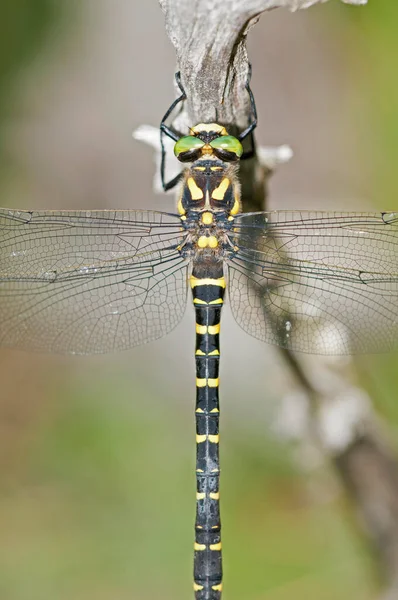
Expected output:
(89, 282)
(317, 282)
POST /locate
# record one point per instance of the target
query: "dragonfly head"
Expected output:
(208, 139)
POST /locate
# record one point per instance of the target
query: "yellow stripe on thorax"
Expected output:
(180, 208)
(219, 192)
(236, 207)
(196, 192)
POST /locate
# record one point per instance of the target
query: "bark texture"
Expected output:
(209, 37)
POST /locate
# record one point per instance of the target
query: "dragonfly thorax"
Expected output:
(210, 185)
(208, 237)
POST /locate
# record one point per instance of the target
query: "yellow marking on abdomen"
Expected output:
(213, 329)
(201, 353)
(214, 410)
(213, 382)
(214, 439)
(219, 192)
(199, 301)
(196, 192)
(199, 410)
(199, 547)
(217, 588)
(214, 495)
(197, 587)
(202, 329)
(216, 547)
(200, 496)
(194, 281)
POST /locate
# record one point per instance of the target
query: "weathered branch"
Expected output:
(209, 38)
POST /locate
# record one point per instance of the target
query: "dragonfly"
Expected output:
(86, 282)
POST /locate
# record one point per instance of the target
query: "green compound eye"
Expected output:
(187, 143)
(229, 143)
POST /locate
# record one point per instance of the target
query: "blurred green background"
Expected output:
(97, 454)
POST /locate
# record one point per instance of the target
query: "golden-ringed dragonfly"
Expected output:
(87, 282)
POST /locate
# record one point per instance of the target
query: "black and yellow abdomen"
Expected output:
(208, 296)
